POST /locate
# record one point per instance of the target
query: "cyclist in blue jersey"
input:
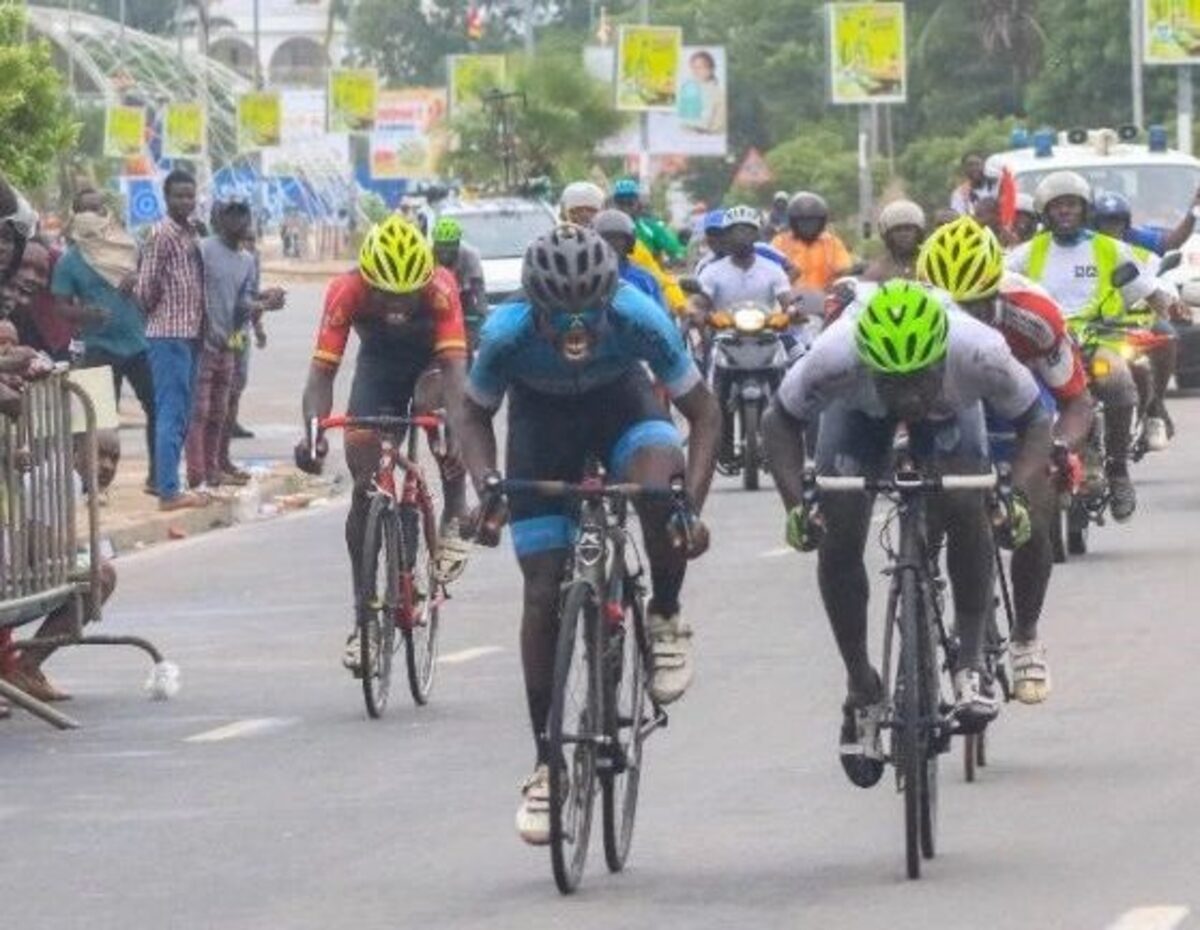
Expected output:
(617, 229)
(570, 359)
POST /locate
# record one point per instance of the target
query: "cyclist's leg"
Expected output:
(850, 443)
(1163, 361)
(428, 397)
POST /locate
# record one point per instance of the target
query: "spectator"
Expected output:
(777, 216)
(31, 306)
(170, 289)
(26, 673)
(975, 186)
(97, 274)
(229, 305)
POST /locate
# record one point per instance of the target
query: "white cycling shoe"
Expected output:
(533, 816)
(1031, 673)
(671, 646)
(975, 703)
(1158, 437)
(352, 656)
(453, 551)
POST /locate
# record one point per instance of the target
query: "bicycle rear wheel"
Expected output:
(910, 743)
(378, 601)
(572, 729)
(418, 540)
(930, 748)
(625, 653)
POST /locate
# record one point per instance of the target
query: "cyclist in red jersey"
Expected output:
(966, 260)
(412, 350)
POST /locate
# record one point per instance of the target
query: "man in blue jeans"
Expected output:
(170, 290)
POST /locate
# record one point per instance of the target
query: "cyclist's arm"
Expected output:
(477, 436)
(332, 337)
(783, 441)
(699, 407)
(1181, 233)
(318, 390)
(1032, 448)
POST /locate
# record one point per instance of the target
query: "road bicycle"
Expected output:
(918, 718)
(601, 710)
(396, 587)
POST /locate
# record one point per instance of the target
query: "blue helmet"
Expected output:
(1110, 205)
(714, 221)
(626, 189)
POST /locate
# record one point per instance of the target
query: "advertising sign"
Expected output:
(124, 131)
(259, 120)
(866, 54)
(352, 96)
(184, 130)
(648, 60)
(1171, 32)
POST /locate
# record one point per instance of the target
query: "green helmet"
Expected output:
(904, 329)
(447, 230)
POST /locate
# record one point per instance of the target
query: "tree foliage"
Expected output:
(35, 117)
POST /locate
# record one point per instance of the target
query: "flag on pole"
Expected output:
(474, 23)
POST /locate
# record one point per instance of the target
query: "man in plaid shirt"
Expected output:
(170, 290)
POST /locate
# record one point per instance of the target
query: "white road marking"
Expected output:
(1163, 917)
(777, 553)
(468, 655)
(254, 726)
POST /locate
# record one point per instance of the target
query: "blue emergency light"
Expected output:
(1043, 143)
(1157, 138)
(1019, 138)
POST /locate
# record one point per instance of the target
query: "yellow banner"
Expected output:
(124, 131)
(648, 60)
(472, 76)
(1172, 32)
(867, 52)
(259, 120)
(184, 129)
(352, 96)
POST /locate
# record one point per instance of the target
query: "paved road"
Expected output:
(262, 798)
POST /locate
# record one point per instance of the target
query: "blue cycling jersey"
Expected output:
(635, 330)
(643, 281)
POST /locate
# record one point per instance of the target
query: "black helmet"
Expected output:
(808, 206)
(569, 269)
(614, 223)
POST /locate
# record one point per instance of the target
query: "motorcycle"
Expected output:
(748, 360)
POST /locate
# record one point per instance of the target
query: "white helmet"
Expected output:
(900, 213)
(741, 215)
(1061, 184)
(1026, 204)
(581, 194)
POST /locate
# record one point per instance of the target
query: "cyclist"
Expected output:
(412, 348)
(902, 227)
(579, 204)
(817, 252)
(616, 228)
(464, 262)
(1075, 266)
(906, 356)
(570, 360)
(966, 261)
(663, 244)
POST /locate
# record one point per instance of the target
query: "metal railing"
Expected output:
(42, 565)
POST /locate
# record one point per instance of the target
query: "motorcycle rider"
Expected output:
(965, 260)
(579, 204)
(617, 229)
(904, 356)
(816, 251)
(1025, 223)
(1075, 266)
(663, 244)
(714, 232)
(902, 227)
(777, 218)
(1112, 216)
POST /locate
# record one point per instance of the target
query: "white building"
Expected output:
(297, 40)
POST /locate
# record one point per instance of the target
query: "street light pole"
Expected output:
(1135, 47)
(258, 81)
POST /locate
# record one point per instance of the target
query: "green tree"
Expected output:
(565, 116)
(35, 117)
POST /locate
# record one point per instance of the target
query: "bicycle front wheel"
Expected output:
(378, 601)
(626, 714)
(419, 592)
(572, 732)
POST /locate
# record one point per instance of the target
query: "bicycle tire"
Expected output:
(418, 555)
(375, 614)
(906, 748)
(970, 756)
(1058, 535)
(624, 718)
(930, 710)
(573, 789)
(750, 453)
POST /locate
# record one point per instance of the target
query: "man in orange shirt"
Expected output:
(819, 256)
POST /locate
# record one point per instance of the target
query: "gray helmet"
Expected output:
(808, 206)
(1061, 184)
(614, 223)
(569, 269)
(741, 215)
(900, 213)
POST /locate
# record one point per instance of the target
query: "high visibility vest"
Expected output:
(1105, 251)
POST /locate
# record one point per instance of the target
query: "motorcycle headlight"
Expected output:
(749, 320)
(1100, 368)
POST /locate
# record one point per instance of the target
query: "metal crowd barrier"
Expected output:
(40, 564)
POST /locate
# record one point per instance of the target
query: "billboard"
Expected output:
(259, 120)
(699, 124)
(184, 130)
(648, 67)
(866, 52)
(1171, 32)
(124, 131)
(352, 96)
(408, 140)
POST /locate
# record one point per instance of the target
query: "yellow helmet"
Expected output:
(395, 257)
(962, 258)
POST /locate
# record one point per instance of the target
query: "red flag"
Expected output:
(1007, 198)
(474, 23)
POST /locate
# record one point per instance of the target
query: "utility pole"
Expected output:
(70, 43)
(1135, 46)
(1185, 107)
(179, 28)
(644, 129)
(121, 33)
(530, 42)
(258, 77)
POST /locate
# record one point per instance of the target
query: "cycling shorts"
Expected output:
(1002, 432)
(551, 437)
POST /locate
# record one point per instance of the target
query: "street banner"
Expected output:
(866, 52)
(472, 76)
(409, 136)
(143, 201)
(184, 130)
(648, 60)
(303, 115)
(124, 131)
(259, 120)
(419, 108)
(1171, 32)
(352, 96)
(328, 156)
(699, 123)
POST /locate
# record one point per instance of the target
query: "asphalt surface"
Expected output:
(262, 797)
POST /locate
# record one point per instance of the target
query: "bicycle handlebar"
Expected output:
(587, 488)
(907, 481)
(431, 423)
